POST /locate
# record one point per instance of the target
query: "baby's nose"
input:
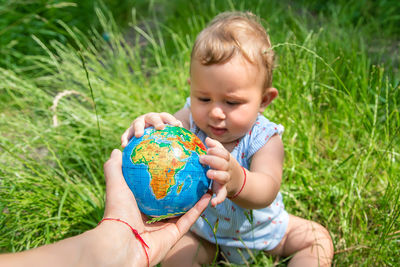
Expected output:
(217, 112)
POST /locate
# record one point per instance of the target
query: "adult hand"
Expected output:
(121, 204)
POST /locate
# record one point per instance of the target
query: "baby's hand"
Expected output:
(157, 120)
(221, 168)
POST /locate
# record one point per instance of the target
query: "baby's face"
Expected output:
(226, 98)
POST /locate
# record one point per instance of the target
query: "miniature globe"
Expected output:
(163, 171)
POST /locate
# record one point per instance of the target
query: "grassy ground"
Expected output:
(338, 79)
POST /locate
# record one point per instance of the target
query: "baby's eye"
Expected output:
(232, 103)
(204, 99)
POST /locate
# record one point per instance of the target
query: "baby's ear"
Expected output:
(269, 95)
(188, 81)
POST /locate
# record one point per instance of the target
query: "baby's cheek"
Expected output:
(199, 118)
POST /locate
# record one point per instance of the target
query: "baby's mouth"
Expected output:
(218, 130)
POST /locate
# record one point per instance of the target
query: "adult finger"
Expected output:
(188, 219)
(113, 170)
(174, 230)
(120, 202)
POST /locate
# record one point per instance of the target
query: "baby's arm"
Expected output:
(252, 189)
(263, 180)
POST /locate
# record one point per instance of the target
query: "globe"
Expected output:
(163, 171)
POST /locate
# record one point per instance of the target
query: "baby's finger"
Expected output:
(221, 177)
(212, 143)
(126, 136)
(155, 120)
(170, 119)
(219, 152)
(136, 129)
(138, 126)
(220, 194)
(214, 162)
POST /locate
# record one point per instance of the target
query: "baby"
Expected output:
(230, 86)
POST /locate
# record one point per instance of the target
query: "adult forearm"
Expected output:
(92, 248)
(68, 252)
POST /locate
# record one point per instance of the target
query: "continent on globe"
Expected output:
(163, 171)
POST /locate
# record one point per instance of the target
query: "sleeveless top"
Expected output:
(260, 229)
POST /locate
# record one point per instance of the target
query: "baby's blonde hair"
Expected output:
(233, 33)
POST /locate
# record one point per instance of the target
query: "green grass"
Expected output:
(338, 80)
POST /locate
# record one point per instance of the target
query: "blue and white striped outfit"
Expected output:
(240, 229)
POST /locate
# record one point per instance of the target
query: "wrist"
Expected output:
(238, 182)
(113, 244)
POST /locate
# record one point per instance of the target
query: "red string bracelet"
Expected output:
(244, 182)
(135, 232)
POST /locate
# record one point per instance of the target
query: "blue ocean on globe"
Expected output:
(163, 171)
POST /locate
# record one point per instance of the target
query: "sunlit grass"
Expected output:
(338, 100)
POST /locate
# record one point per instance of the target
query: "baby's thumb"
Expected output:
(220, 194)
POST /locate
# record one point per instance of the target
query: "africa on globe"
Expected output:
(163, 171)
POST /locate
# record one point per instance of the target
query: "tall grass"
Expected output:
(339, 103)
(20, 20)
